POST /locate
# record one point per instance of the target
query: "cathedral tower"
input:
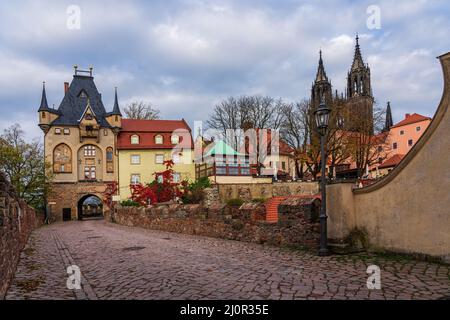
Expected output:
(359, 95)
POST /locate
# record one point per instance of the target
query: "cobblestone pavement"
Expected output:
(119, 262)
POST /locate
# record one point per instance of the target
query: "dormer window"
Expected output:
(159, 139)
(88, 116)
(83, 94)
(134, 139)
(175, 139)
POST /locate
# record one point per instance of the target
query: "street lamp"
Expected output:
(322, 115)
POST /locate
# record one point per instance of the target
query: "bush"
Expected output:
(193, 191)
(235, 202)
(201, 183)
(130, 203)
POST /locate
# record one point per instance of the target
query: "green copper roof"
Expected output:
(221, 148)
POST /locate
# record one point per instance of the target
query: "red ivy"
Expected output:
(110, 191)
(157, 191)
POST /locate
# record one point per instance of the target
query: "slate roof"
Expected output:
(73, 105)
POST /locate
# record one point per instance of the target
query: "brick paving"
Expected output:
(119, 262)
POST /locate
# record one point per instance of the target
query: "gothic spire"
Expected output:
(389, 122)
(357, 58)
(116, 109)
(44, 104)
(321, 75)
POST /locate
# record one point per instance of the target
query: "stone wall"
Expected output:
(408, 210)
(248, 191)
(297, 222)
(67, 196)
(17, 220)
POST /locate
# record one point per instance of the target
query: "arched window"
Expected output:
(159, 139)
(109, 160)
(134, 139)
(89, 151)
(62, 159)
(175, 139)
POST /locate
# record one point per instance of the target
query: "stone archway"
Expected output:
(90, 206)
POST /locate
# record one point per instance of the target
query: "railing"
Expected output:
(208, 170)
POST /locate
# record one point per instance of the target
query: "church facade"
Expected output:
(80, 145)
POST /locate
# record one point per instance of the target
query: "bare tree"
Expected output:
(295, 132)
(364, 148)
(243, 113)
(141, 110)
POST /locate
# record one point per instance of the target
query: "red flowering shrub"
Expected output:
(162, 189)
(143, 194)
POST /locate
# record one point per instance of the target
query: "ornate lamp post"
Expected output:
(322, 115)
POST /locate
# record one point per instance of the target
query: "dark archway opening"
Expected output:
(90, 207)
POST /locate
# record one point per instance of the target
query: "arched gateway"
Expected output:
(90, 206)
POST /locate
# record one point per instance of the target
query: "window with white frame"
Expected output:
(134, 139)
(159, 159)
(135, 178)
(135, 159)
(175, 139)
(176, 177)
(66, 131)
(159, 139)
(89, 151)
(57, 130)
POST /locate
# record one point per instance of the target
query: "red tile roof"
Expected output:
(147, 130)
(413, 118)
(132, 125)
(392, 161)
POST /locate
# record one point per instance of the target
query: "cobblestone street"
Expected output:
(118, 262)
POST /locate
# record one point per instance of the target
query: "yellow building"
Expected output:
(144, 145)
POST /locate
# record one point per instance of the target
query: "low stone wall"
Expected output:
(297, 224)
(17, 220)
(248, 191)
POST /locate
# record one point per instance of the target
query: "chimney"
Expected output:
(407, 115)
(66, 86)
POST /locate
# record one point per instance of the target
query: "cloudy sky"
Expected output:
(185, 56)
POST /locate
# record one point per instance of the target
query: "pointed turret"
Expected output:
(44, 104)
(321, 75)
(116, 109)
(46, 114)
(115, 116)
(357, 58)
(389, 121)
(321, 87)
